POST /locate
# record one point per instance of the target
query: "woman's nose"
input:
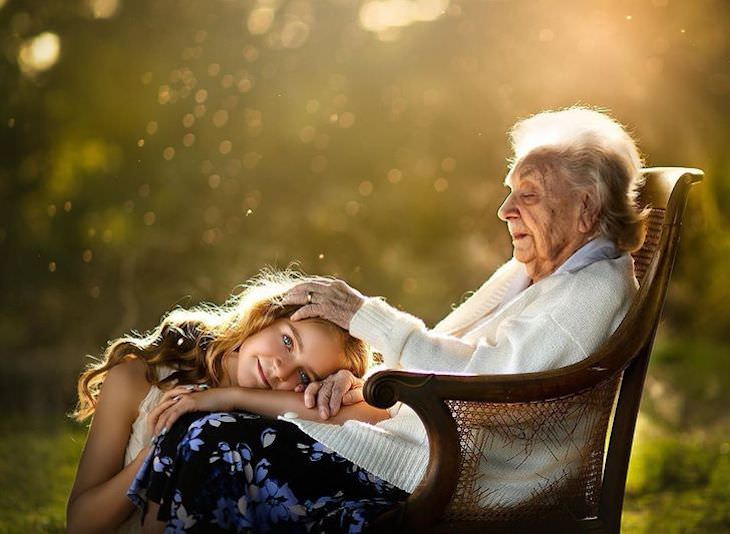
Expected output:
(507, 209)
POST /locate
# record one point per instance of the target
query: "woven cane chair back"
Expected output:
(557, 420)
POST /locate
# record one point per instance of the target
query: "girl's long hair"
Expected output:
(194, 342)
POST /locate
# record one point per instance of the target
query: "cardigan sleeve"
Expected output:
(520, 344)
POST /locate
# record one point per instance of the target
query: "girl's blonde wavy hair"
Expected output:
(194, 342)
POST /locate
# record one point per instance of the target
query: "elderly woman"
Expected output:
(572, 218)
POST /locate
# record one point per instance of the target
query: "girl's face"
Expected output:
(286, 354)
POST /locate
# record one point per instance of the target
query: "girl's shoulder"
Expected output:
(128, 380)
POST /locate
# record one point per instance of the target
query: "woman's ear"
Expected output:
(588, 216)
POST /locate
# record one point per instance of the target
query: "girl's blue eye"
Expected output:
(304, 378)
(287, 340)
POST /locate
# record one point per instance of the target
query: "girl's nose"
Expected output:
(284, 369)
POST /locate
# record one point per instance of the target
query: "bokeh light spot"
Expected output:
(227, 81)
(39, 53)
(188, 139)
(103, 9)
(260, 20)
(149, 218)
(448, 164)
(365, 188)
(352, 208)
(220, 118)
(245, 85)
(250, 53)
(225, 147)
(307, 134)
(347, 119)
(188, 120)
(201, 95)
(294, 34)
(394, 176)
(168, 153)
(214, 180)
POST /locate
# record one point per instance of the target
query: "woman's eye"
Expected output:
(287, 341)
(304, 378)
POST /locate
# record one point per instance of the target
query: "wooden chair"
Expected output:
(456, 410)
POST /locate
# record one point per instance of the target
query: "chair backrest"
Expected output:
(665, 194)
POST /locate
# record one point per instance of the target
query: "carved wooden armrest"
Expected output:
(427, 393)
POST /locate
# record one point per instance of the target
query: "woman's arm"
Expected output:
(98, 500)
(262, 401)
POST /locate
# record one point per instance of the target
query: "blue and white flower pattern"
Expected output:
(239, 472)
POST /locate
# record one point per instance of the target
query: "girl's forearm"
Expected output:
(104, 507)
(274, 403)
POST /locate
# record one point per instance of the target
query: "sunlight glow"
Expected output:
(103, 9)
(260, 20)
(383, 16)
(39, 53)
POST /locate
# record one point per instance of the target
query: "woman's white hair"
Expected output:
(595, 154)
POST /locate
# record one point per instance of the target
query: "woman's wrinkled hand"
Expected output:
(329, 395)
(332, 300)
(184, 399)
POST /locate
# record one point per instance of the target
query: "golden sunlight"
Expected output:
(103, 9)
(39, 53)
(382, 16)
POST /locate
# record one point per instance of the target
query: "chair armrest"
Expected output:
(427, 393)
(421, 392)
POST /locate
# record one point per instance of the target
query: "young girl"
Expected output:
(240, 349)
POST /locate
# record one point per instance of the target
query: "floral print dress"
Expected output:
(239, 472)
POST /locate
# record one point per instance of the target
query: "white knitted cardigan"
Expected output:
(553, 323)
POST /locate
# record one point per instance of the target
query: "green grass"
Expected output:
(37, 467)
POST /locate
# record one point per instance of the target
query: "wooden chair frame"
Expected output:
(625, 353)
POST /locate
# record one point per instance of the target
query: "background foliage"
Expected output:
(158, 153)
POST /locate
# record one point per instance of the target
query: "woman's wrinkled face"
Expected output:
(547, 219)
(286, 354)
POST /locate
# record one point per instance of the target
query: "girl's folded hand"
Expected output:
(185, 399)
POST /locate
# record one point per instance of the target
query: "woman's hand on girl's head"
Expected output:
(329, 395)
(333, 300)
